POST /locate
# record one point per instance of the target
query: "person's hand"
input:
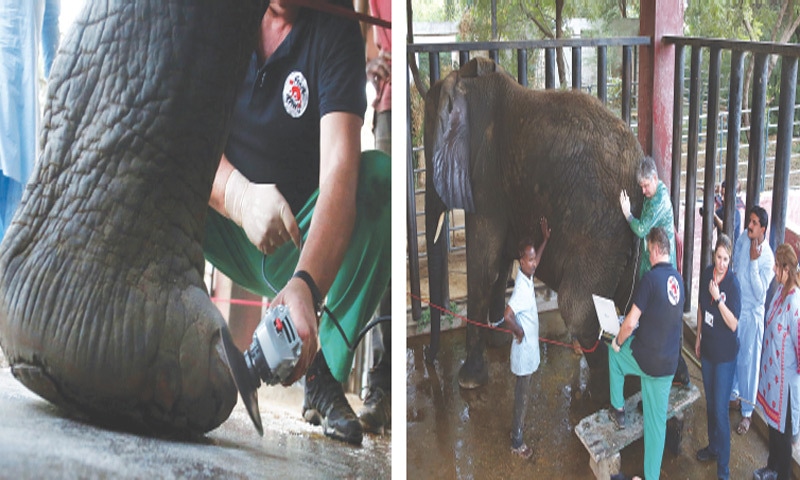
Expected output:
(297, 296)
(625, 203)
(713, 289)
(518, 333)
(755, 249)
(614, 345)
(545, 228)
(697, 346)
(262, 212)
(379, 69)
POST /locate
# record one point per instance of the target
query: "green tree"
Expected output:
(752, 20)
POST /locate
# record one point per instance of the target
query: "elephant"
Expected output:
(103, 307)
(509, 155)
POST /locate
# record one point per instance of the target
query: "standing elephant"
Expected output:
(508, 156)
(103, 309)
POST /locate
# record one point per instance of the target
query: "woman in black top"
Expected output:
(717, 346)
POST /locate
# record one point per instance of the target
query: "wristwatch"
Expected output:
(316, 295)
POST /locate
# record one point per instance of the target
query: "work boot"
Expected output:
(326, 405)
(705, 454)
(376, 416)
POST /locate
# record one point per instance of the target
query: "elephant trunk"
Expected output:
(102, 303)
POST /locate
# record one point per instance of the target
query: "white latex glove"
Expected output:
(625, 203)
(263, 213)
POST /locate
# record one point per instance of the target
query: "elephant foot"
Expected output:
(474, 373)
(429, 353)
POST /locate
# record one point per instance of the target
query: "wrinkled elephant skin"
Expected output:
(508, 156)
(103, 309)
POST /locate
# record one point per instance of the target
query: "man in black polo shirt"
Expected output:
(292, 174)
(653, 352)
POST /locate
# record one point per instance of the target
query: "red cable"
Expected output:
(237, 301)
(484, 325)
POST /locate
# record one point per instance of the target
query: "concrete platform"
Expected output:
(37, 441)
(457, 433)
(604, 441)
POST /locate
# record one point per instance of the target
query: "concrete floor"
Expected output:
(38, 442)
(455, 433)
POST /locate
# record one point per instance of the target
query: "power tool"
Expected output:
(271, 357)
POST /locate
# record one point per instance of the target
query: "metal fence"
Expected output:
(771, 156)
(685, 168)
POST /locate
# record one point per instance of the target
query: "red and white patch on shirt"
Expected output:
(673, 290)
(295, 94)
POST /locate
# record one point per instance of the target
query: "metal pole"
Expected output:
(711, 157)
(411, 221)
(691, 176)
(602, 73)
(783, 151)
(734, 126)
(522, 66)
(757, 148)
(677, 129)
(627, 69)
(576, 68)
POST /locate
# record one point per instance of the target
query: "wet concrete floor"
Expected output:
(37, 441)
(464, 434)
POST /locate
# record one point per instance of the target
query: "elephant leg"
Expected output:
(497, 305)
(577, 310)
(485, 240)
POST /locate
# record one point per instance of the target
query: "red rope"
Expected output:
(238, 301)
(484, 325)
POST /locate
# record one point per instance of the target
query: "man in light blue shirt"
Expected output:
(752, 263)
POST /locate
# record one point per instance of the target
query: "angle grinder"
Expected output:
(271, 358)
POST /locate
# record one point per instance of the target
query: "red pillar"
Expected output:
(656, 80)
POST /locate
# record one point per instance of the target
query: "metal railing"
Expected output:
(772, 155)
(687, 183)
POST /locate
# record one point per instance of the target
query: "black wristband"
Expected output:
(316, 295)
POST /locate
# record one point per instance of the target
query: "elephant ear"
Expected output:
(451, 176)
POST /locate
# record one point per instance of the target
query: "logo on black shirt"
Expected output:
(295, 94)
(673, 290)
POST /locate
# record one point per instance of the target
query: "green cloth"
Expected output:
(656, 212)
(362, 279)
(655, 401)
